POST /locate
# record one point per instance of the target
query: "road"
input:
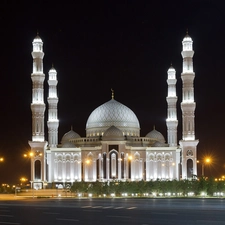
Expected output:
(156, 211)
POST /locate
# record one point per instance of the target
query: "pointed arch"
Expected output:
(113, 164)
(189, 168)
(37, 170)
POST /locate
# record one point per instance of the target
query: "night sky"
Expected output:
(99, 45)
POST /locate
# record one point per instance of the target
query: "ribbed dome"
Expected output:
(37, 39)
(112, 113)
(156, 135)
(171, 69)
(113, 134)
(187, 38)
(69, 135)
(68, 144)
(52, 70)
(160, 144)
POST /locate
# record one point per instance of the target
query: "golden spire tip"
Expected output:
(112, 93)
(187, 31)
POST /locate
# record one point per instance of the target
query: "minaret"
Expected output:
(38, 143)
(171, 99)
(188, 143)
(38, 105)
(53, 122)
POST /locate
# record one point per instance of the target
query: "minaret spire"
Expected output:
(112, 93)
(53, 122)
(188, 143)
(171, 99)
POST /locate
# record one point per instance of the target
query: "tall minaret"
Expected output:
(53, 122)
(38, 105)
(38, 143)
(171, 99)
(188, 143)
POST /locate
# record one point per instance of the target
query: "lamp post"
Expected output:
(203, 162)
(29, 155)
(22, 181)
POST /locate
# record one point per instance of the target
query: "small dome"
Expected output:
(171, 69)
(160, 144)
(187, 37)
(37, 39)
(69, 135)
(52, 70)
(113, 134)
(68, 144)
(156, 135)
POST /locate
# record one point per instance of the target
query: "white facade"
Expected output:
(112, 148)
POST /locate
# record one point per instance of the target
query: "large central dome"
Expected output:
(112, 113)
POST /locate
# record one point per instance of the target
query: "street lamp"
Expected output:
(28, 155)
(22, 180)
(204, 162)
(1, 159)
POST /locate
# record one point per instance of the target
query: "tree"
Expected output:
(211, 186)
(221, 186)
(79, 187)
(202, 187)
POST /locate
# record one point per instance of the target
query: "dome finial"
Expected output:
(153, 127)
(187, 35)
(71, 127)
(112, 93)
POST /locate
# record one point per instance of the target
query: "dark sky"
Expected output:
(99, 45)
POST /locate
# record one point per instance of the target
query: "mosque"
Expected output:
(112, 149)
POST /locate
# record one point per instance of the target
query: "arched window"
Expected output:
(189, 168)
(60, 167)
(104, 165)
(68, 166)
(122, 165)
(37, 170)
(113, 164)
(77, 167)
(98, 169)
(89, 167)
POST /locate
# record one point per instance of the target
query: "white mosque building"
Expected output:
(112, 148)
